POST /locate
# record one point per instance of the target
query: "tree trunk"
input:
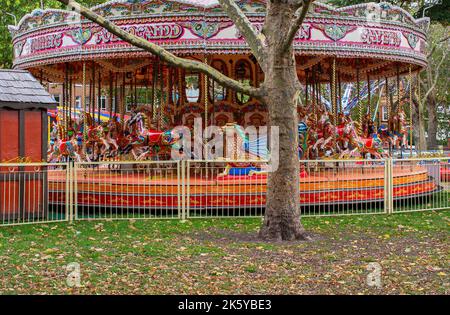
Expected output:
(431, 109)
(282, 217)
(418, 129)
(432, 123)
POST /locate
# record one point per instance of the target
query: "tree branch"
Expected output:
(162, 53)
(296, 23)
(436, 75)
(255, 39)
(437, 44)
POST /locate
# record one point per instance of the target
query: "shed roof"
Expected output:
(20, 90)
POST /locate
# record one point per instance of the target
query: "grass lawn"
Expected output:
(223, 256)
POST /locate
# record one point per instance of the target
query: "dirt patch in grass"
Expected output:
(232, 236)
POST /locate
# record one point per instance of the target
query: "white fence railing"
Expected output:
(44, 192)
(224, 189)
(417, 197)
(127, 190)
(343, 187)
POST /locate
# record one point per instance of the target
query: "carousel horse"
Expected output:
(144, 142)
(387, 138)
(63, 147)
(344, 142)
(100, 142)
(67, 150)
(371, 145)
(312, 152)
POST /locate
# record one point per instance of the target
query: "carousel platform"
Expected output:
(103, 188)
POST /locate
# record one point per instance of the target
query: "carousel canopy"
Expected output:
(378, 38)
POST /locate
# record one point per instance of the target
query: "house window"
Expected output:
(128, 102)
(103, 102)
(113, 105)
(384, 114)
(78, 102)
(87, 102)
(57, 98)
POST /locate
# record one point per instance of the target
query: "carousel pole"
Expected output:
(180, 94)
(388, 109)
(205, 88)
(340, 92)
(66, 82)
(399, 107)
(388, 101)
(92, 93)
(94, 96)
(122, 99)
(378, 102)
(169, 85)
(369, 96)
(161, 95)
(116, 96)
(84, 108)
(64, 100)
(419, 104)
(410, 112)
(70, 99)
(398, 89)
(306, 87)
(155, 63)
(313, 94)
(99, 96)
(334, 90)
(135, 89)
(170, 72)
(318, 91)
(331, 92)
(110, 100)
(358, 98)
(149, 99)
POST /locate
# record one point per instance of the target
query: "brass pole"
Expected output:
(84, 108)
(410, 111)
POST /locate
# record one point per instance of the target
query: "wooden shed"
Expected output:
(23, 137)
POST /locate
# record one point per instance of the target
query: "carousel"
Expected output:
(119, 103)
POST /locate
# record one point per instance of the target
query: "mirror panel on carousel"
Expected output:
(244, 75)
(192, 84)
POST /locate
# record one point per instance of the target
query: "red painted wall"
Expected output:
(29, 204)
(9, 134)
(33, 135)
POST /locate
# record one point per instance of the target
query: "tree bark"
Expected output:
(282, 216)
(418, 119)
(432, 123)
(418, 129)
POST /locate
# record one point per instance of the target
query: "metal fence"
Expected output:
(44, 192)
(431, 189)
(343, 187)
(225, 189)
(127, 190)
(27, 195)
